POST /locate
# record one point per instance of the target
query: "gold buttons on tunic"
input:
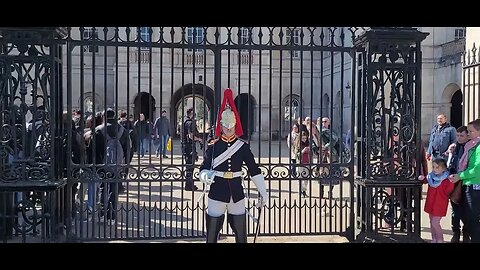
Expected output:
(229, 169)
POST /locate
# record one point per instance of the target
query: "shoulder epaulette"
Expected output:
(243, 140)
(213, 141)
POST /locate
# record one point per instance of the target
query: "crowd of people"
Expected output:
(312, 146)
(455, 177)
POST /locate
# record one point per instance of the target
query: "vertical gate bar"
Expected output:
(309, 175)
(470, 91)
(172, 181)
(269, 166)
(280, 59)
(332, 119)
(289, 35)
(352, 148)
(250, 125)
(64, 174)
(140, 105)
(474, 93)
(185, 165)
(194, 51)
(301, 103)
(152, 121)
(418, 113)
(127, 203)
(42, 217)
(82, 109)
(112, 184)
(464, 88)
(116, 110)
(218, 81)
(289, 127)
(260, 54)
(240, 41)
(250, 111)
(340, 107)
(322, 37)
(161, 166)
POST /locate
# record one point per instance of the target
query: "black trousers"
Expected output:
(471, 201)
(189, 153)
(457, 216)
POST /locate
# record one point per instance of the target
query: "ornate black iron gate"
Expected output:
(277, 75)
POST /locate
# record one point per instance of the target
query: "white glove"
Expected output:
(259, 182)
(207, 176)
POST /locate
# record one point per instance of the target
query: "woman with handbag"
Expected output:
(469, 174)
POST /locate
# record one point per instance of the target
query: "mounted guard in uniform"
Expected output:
(222, 169)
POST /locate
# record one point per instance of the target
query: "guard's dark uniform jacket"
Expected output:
(223, 188)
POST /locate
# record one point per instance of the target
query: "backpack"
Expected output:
(113, 149)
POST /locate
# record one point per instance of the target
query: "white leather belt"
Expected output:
(228, 175)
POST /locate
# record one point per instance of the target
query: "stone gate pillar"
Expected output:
(389, 64)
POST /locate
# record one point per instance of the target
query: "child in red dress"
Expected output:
(436, 204)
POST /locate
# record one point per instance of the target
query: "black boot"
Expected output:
(238, 223)
(456, 236)
(189, 186)
(214, 225)
(466, 237)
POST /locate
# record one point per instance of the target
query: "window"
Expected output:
(243, 37)
(145, 36)
(195, 36)
(88, 104)
(460, 33)
(293, 37)
(90, 33)
(291, 108)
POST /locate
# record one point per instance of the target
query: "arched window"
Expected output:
(291, 107)
(326, 106)
(202, 112)
(293, 38)
(88, 104)
(145, 34)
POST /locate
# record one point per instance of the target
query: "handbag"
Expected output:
(456, 194)
(169, 144)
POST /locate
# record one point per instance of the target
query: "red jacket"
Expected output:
(436, 203)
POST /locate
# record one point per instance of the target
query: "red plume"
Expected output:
(228, 97)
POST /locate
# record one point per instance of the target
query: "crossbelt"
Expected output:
(228, 175)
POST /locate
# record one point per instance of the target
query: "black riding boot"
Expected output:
(456, 235)
(466, 236)
(238, 223)
(214, 225)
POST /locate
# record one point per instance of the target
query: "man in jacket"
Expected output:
(162, 132)
(109, 186)
(456, 150)
(441, 136)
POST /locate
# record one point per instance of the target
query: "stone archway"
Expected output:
(456, 111)
(447, 102)
(245, 104)
(199, 96)
(144, 103)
